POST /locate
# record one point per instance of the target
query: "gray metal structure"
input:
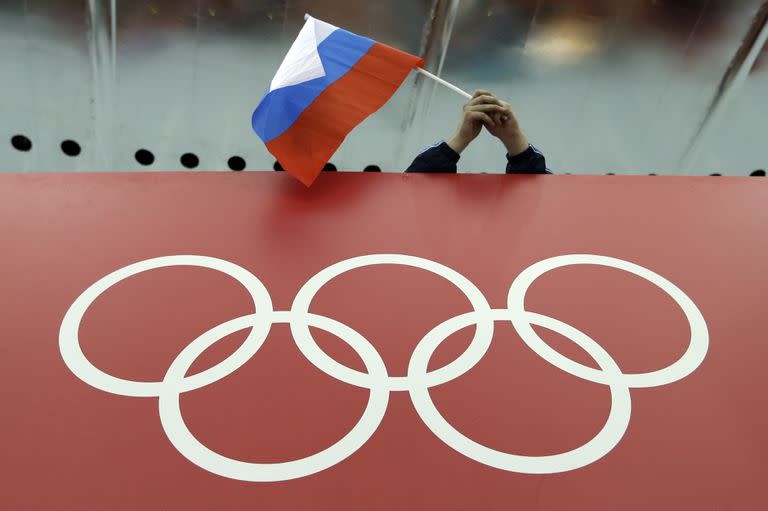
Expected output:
(624, 86)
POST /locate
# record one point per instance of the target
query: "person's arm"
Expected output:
(482, 110)
(439, 158)
(530, 161)
(522, 157)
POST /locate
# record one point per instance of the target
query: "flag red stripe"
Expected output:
(310, 142)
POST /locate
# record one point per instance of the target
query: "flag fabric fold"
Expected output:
(330, 81)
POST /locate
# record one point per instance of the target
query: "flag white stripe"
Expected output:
(302, 63)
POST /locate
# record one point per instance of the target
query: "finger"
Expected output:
(482, 117)
(485, 100)
(507, 113)
(481, 92)
(486, 108)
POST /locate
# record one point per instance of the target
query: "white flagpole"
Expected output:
(443, 82)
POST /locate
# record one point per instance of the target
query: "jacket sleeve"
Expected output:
(530, 161)
(439, 158)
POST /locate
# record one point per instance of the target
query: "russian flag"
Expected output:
(330, 81)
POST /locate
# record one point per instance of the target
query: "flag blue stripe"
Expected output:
(280, 108)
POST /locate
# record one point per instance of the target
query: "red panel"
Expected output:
(696, 443)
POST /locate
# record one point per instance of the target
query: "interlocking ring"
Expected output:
(418, 380)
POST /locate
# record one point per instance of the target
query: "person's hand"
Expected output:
(507, 129)
(482, 110)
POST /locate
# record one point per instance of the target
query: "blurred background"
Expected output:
(601, 86)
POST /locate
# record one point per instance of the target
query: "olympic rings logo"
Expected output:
(418, 381)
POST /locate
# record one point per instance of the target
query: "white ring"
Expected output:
(418, 380)
(308, 346)
(691, 359)
(72, 352)
(191, 448)
(599, 446)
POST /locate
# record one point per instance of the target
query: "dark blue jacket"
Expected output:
(440, 158)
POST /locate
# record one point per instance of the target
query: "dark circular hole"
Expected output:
(758, 173)
(145, 157)
(652, 174)
(716, 174)
(372, 168)
(21, 143)
(329, 167)
(610, 174)
(190, 160)
(236, 163)
(71, 148)
(278, 167)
